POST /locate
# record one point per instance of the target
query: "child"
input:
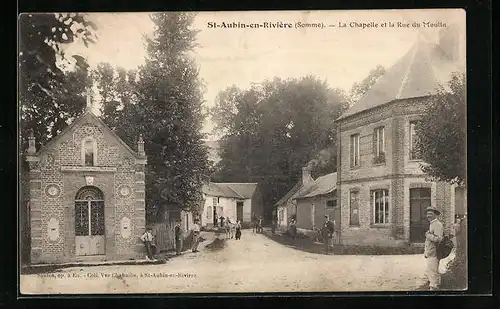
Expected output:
(147, 239)
(238, 230)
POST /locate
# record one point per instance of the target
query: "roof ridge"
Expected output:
(408, 69)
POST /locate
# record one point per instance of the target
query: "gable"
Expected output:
(88, 125)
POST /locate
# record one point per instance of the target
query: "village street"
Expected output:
(254, 264)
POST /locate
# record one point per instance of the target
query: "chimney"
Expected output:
(140, 146)
(31, 143)
(306, 175)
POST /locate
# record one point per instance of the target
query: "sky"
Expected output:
(339, 55)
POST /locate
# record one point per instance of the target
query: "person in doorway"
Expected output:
(238, 230)
(432, 238)
(221, 220)
(178, 237)
(327, 233)
(196, 235)
(147, 238)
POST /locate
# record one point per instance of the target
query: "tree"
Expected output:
(441, 144)
(168, 113)
(49, 95)
(441, 141)
(358, 90)
(273, 129)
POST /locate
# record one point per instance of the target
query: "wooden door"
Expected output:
(420, 199)
(239, 211)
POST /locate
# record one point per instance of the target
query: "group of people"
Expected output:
(233, 230)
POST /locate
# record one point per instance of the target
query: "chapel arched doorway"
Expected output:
(89, 222)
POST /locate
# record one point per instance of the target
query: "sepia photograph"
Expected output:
(242, 152)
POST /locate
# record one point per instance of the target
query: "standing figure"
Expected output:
(228, 228)
(327, 234)
(293, 228)
(147, 239)
(259, 225)
(196, 235)
(254, 223)
(432, 238)
(221, 220)
(238, 230)
(178, 237)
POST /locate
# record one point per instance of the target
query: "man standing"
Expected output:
(147, 239)
(432, 238)
(196, 235)
(328, 230)
(178, 237)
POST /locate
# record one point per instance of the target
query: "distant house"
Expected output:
(315, 200)
(382, 190)
(286, 207)
(236, 201)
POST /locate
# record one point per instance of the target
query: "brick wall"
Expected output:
(115, 168)
(397, 175)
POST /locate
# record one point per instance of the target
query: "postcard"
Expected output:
(230, 152)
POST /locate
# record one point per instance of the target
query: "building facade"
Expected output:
(236, 201)
(382, 190)
(87, 195)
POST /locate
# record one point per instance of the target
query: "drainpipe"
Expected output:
(339, 180)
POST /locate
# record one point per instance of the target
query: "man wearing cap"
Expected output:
(432, 238)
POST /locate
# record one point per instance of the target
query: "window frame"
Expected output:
(412, 155)
(354, 155)
(83, 151)
(386, 214)
(379, 145)
(355, 192)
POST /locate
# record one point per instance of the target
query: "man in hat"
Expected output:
(432, 238)
(327, 233)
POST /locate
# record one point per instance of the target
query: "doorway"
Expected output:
(239, 211)
(420, 199)
(89, 222)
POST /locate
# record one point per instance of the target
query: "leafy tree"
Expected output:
(441, 141)
(273, 129)
(358, 90)
(50, 96)
(168, 113)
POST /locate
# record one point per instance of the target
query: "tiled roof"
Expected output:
(424, 69)
(289, 194)
(233, 190)
(321, 186)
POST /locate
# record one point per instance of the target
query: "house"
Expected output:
(382, 190)
(314, 201)
(236, 201)
(87, 197)
(286, 207)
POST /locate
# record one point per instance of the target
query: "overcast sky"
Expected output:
(342, 56)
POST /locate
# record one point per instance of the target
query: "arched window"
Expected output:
(89, 150)
(89, 221)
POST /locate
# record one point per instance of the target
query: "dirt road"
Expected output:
(252, 264)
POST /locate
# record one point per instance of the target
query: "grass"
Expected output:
(307, 244)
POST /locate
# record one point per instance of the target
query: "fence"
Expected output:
(165, 237)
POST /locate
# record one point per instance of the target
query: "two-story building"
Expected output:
(382, 191)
